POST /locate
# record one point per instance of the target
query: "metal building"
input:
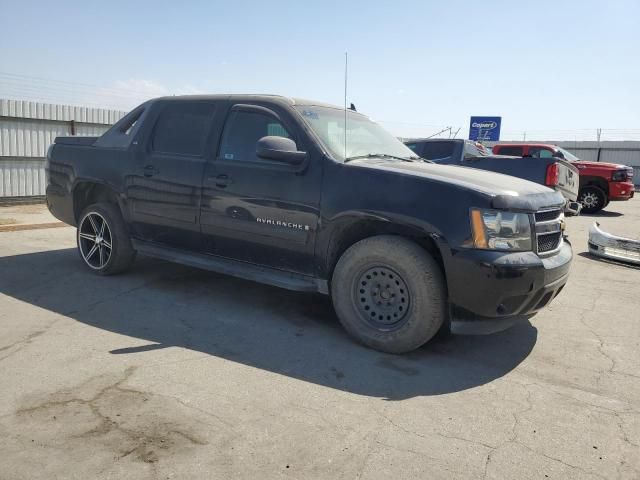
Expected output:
(26, 131)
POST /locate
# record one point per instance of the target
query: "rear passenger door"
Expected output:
(165, 188)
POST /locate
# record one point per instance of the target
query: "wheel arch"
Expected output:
(593, 181)
(350, 229)
(87, 192)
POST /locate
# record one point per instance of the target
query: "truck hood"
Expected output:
(507, 192)
(602, 165)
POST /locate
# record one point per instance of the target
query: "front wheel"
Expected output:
(389, 294)
(593, 199)
(103, 242)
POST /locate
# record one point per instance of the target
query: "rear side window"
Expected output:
(130, 121)
(437, 150)
(540, 152)
(123, 132)
(182, 128)
(474, 150)
(242, 132)
(509, 150)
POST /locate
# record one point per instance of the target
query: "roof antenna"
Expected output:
(345, 103)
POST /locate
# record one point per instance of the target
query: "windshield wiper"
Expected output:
(380, 155)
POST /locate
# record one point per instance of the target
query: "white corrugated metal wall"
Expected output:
(26, 131)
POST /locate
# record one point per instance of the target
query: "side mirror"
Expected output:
(280, 149)
(558, 155)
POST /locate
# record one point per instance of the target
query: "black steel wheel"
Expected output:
(382, 297)
(389, 293)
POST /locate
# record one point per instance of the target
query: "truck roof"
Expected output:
(288, 101)
(435, 140)
(526, 144)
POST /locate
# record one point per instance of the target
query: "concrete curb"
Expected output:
(32, 226)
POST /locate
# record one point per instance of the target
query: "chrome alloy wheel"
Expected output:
(94, 240)
(590, 200)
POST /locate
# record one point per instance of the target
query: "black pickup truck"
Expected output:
(555, 173)
(308, 197)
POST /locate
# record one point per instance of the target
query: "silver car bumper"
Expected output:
(572, 208)
(605, 245)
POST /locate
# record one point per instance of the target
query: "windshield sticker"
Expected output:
(310, 114)
(228, 156)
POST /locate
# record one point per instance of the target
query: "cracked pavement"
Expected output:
(171, 372)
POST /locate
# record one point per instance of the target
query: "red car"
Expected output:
(600, 182)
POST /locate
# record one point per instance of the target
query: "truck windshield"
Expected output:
(363, 137)
(568, 155)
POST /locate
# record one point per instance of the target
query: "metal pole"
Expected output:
(345, 103)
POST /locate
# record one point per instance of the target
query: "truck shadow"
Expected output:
(602, 214)
(608, 261)
(160, 305)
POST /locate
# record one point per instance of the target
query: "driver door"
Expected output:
(256, 210)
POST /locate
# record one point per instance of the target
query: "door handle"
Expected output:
(150, 171)
(222, 181)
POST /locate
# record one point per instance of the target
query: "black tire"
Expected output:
(104, 261)
(593, 199)
(389, 294)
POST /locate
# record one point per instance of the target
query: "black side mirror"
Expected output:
(558, 154)
(280, 149)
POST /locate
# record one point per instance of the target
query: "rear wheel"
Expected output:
(389, 294)
(103, 242)
(593, 199)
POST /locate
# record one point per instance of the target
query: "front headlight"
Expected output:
(619, 176)
(497, 230)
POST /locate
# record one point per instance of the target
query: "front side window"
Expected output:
(360, 137)
(182, 128)
(242, 132)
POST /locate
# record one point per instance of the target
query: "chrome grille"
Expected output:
(548, 243)
(547, 215)
(548, 228)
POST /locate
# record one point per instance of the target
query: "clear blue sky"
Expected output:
(555, 66)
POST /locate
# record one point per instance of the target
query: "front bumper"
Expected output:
(603, 244)
(572, 208)
(60, 204)
(621, 190)
(498, 287)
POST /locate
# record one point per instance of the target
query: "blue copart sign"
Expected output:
(485, 128)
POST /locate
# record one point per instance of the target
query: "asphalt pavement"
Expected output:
(172, 372)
